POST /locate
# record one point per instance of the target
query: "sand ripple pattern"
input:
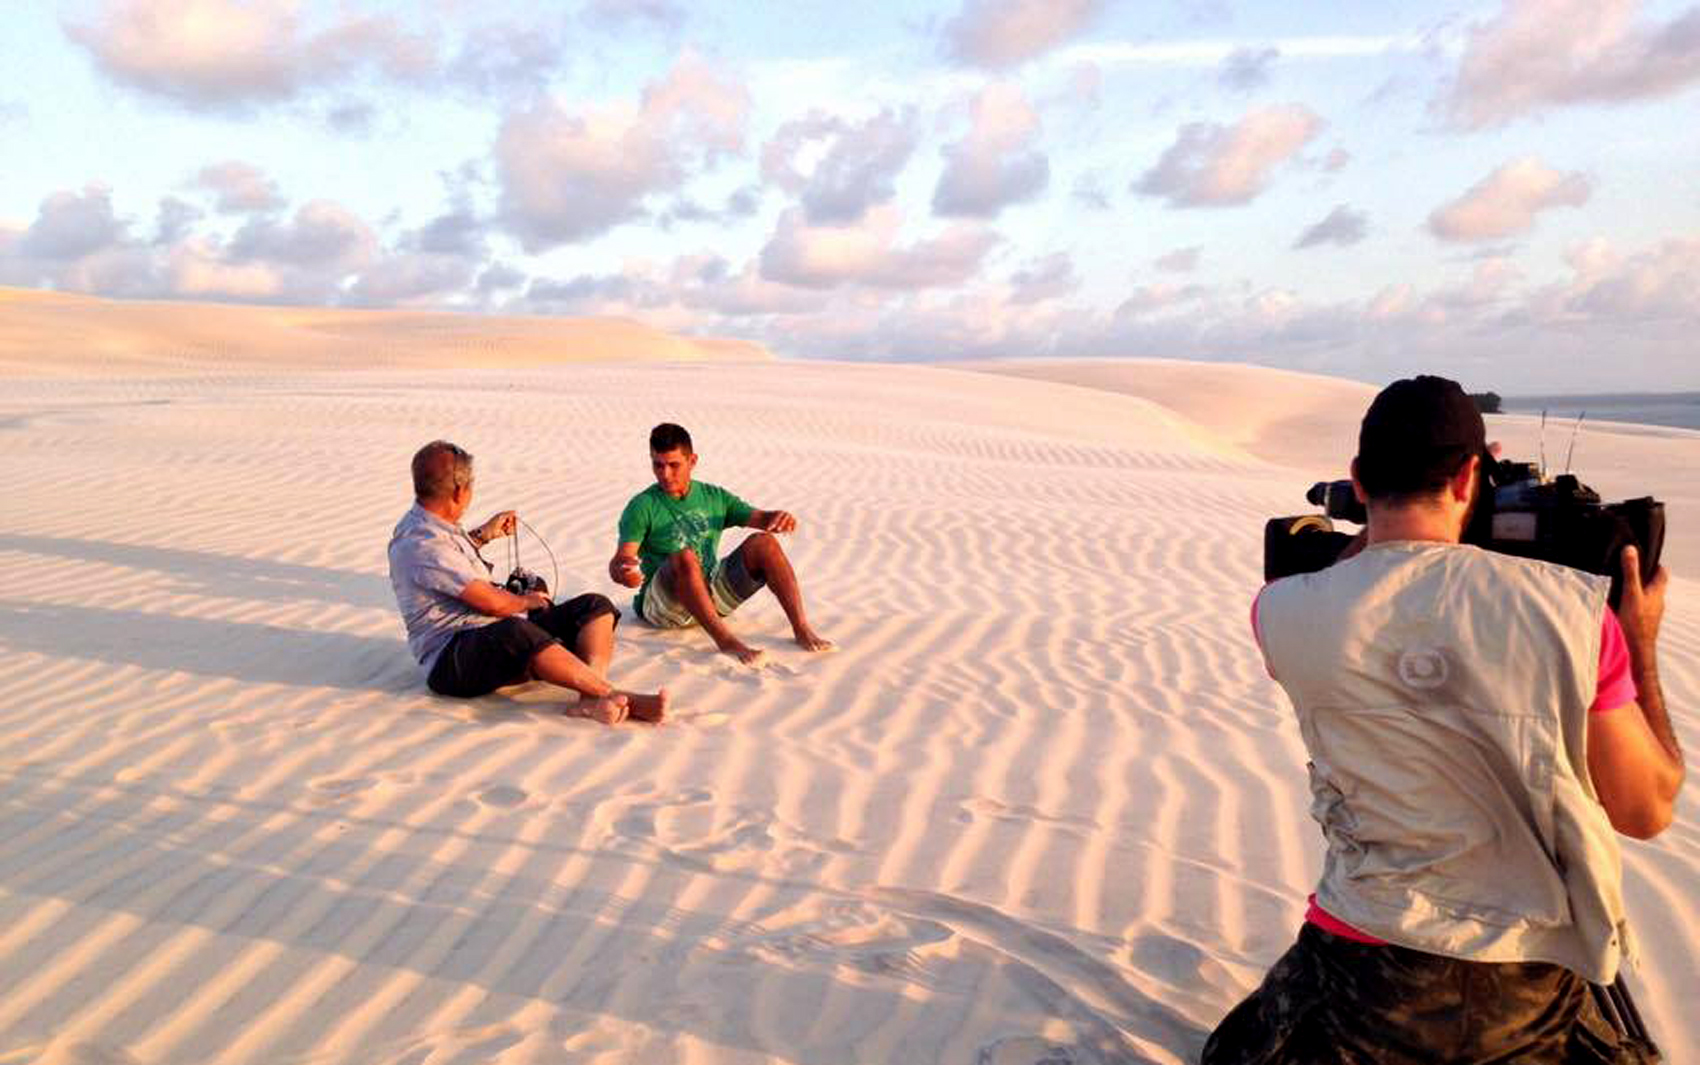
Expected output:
(1043, 806)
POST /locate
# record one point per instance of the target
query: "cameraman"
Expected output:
(473, 636)
(1477, 727)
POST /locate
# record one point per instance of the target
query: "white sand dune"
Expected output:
(1043, 806)
(67, 334)
(1310, 424)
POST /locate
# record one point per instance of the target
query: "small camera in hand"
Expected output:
(523, 582)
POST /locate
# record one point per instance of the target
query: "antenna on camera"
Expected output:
(1577, 428)
(1543, 443)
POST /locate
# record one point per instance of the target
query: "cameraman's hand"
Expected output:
(1642, 607)
(498, 526)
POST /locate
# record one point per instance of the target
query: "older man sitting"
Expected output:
(472, 636)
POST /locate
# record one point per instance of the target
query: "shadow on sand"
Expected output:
(206, 573)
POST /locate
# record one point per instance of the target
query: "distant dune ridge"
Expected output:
(1043, 806)
(58, 333)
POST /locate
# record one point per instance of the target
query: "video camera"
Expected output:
(1520, 513)
(523, 582)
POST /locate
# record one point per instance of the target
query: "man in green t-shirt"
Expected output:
(669, 550)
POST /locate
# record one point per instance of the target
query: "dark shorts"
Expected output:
(1330, 1001)
(478, 661)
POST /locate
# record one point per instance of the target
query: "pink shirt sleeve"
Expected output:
(1617, 683)
(1258, 636)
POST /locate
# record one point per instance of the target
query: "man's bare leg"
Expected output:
(597, 698)
(596, 650)
(683, 574)
(765, 560)
(596, 644)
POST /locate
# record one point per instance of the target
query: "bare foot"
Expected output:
(609, 710)
(648, 708)
(810, 640)
(743, 652)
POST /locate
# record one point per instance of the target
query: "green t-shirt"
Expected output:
(662, 526)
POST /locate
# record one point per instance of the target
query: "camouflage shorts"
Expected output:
(1331, 1001)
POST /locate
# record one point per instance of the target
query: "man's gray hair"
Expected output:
(439, 468)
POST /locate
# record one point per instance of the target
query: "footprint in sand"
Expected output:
(331, 789)
(638, 823)
(1029, 1050)
(502, 795)
(858, 936)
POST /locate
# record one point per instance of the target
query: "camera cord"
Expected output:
(554, 566)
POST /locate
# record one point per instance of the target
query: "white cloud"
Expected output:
(174, 220)
(1147, 300)
(196, 268)
(1215, 53)
(240, 187)
(1045, 279)
(1179, 261)
(410, 277)
(508, 57)
(1661, 283)
(457, 231)
(71, 225)
(854, 164)
(119, 270)
(867, 253)
(1342, 226)
(322, 235)
(1506, 202)
(995, 165)
(1090, 192)
(222, 53)
(322, 254)
(1545, 53)
(1248, 68)
(1212, 165)
(1002, 33)
(622, 14)
(567, 176)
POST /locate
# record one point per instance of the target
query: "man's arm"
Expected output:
(487, 598)
(1634, 759)
(624, 568)
(503, 523)
(773, 521)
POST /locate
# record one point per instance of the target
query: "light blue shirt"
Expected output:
(431, 563)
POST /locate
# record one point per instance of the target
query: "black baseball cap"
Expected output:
(1416, 435)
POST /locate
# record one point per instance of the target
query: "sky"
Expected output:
(1506, 192)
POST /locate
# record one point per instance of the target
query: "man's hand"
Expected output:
(777, 521)
(1642, 607)
(537, 601)
(624, 568)
(498, 526)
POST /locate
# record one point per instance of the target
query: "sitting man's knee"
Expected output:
(764, 542)
(600, 605)
(680, 565)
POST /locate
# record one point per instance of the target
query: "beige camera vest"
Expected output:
(1443, 695)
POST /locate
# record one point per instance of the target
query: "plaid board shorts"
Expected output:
(730, 586)
(1330, 1001)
